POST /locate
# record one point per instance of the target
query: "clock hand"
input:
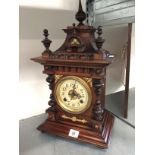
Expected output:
(74, 86)
(77, 94)
(72, 97)
(71, 94)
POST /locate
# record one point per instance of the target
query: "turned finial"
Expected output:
(99, 40)
(74, 24)
(80, 15)
(74, 30)
(46, 42)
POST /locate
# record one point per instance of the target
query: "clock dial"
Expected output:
(73, 94)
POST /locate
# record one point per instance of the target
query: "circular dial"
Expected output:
(73, 94)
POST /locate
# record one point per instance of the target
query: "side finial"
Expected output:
(46, 42)
(80, 15)
(99, 40)
(74, 30)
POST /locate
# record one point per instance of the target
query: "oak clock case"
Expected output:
(76, 76)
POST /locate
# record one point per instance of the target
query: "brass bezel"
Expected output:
(61, 103)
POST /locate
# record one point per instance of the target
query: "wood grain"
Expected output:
(80, 55)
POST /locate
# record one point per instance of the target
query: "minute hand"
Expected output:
(74, 86)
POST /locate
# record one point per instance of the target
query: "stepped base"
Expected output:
(100, 139)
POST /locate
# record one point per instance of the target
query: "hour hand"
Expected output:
(77, 94)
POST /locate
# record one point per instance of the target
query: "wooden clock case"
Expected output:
(80, 55)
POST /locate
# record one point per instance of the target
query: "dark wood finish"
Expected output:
(46, 42)
(126, 97)
(100, 139)
(81, 15)
(99, 105)
(80, 55)
(99, 40)
(51, 80)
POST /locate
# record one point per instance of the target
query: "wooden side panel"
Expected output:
(125, 104)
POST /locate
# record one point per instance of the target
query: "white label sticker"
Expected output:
(73, 133)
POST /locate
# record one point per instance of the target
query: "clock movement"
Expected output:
(77, 78)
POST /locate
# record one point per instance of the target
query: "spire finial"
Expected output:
(80, 15)
(80, 5)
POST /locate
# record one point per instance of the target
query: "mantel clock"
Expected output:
(77, 77)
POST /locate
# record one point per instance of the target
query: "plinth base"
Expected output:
(100, 139)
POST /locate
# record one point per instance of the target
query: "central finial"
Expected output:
(80, 15)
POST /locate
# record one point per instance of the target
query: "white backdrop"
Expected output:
(34, 16)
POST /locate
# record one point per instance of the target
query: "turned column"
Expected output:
(52, 103)
(99, 104)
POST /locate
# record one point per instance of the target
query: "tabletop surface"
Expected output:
(33, 142)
